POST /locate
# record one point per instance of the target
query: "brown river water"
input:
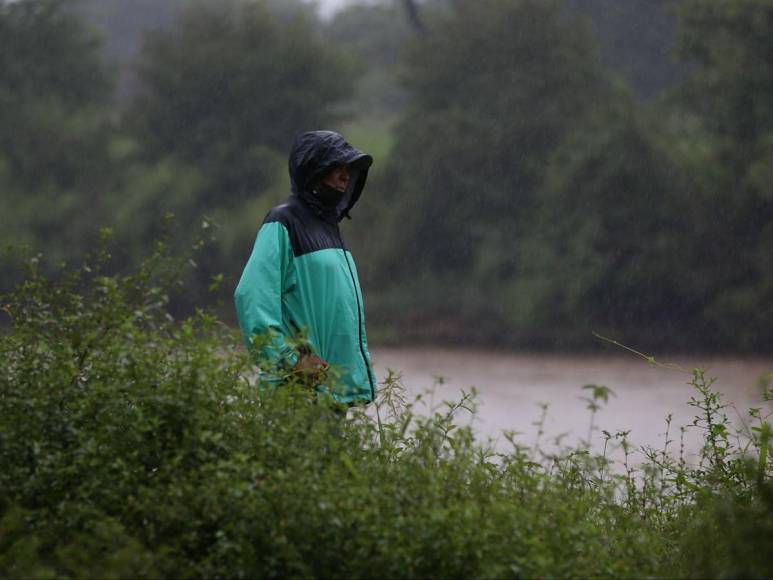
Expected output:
(512, 386)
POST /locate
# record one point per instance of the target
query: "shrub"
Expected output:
(136, 445)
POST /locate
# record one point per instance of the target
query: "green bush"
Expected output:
(136, 445)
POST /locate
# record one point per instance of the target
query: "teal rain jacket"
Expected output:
(301, 279)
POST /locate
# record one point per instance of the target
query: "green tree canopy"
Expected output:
(52, 82)
(54, 90)
(228, 88)
(731, 43)
(728, 105)
(494, 86)
(605, 247)
(375, 36)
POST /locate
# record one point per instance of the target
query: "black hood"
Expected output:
(313, 155)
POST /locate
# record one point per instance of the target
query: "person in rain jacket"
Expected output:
(300, 279)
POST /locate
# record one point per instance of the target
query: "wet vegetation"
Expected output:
(136, 445)
(550, 168)
(537, 179)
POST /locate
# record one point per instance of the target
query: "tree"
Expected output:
(495, 86)
(605, 247)
(729, 43)
(229, 87)
(52, 87)
(636, 41)
(54, 90)
(374, 36)
(726, 120)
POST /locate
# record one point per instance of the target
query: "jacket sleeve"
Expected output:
(258, 296)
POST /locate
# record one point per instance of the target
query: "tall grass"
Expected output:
(135, 445)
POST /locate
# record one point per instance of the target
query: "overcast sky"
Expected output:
(327, 7)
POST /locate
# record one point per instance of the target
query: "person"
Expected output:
(299, 290)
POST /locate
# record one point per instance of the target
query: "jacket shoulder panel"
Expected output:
(308, 233)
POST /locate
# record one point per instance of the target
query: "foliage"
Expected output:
(636, 40)
(605, 248)
(229, 87)
(493, 87)
(52, 84)
(536, 198)
(539, 201)
(729, 42)
(66, 67)
(375, 36)
(70, 158)
(134, 445)
(53, 94)
(727, 102)
(121, 26)
(650, 224)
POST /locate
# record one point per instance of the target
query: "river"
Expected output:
(512, 386)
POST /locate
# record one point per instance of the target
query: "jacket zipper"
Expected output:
(359, 318)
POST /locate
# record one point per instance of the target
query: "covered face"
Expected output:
(314, 156)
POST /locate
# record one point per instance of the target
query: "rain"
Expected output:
(564, 207)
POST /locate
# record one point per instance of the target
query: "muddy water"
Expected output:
(512, 386)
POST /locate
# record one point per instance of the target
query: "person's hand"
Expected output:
(312, 367)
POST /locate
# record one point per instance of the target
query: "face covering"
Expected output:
(329, 196)
(354, 178)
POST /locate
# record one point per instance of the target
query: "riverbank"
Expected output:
(512, 386)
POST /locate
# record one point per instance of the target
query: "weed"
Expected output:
(136, 445)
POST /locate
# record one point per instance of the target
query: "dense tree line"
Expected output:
(52, 116)
(537, 197)
(222, 88)
(545, 202)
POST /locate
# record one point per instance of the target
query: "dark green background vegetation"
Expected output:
(544, 169)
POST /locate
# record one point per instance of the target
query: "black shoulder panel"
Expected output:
(308, 233)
